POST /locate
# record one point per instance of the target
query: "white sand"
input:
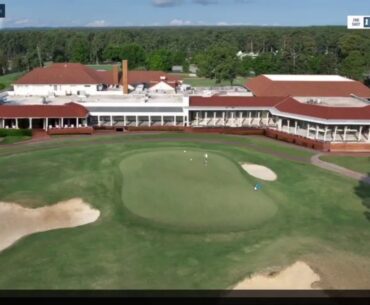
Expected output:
(259, 171)
(17, 221)
(297, 276)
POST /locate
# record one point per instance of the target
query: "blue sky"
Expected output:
(70, 13)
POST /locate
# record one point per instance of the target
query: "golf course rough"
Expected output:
(181, 190)
(320, 217)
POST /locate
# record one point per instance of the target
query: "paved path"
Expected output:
(315, 160)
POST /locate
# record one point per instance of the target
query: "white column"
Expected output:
(111, 121)
(345, 133)
(183, 120)
(137, 121)
(268, 118)
(174, 121)
(124, 120)
(150, 121)
(326, 132)
(288, 126)
(317, 132)
(187, 120)
(16, 123)
(46, 124)
(99, 122)
(360, 134)
(30, 123)
(206, 118)
(308, 131)
(162, 120)
(197, 118)
(335, 133)
(368, 135)
(214, 118)
(223, 118)
(250, 118)
(280, 124)
(77, 122)
(241, 119)
(296, 128)
(232, 118)
(259, 118)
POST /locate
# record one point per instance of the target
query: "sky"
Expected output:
(116, 13)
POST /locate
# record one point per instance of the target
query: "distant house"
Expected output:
(177, 69)
(193, 69)
(65, 79)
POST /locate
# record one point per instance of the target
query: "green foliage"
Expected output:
(15, 132)
(160, 60)
(353, 65)
(281, 50)
(2, 86)
(219, 63)
(79, 50)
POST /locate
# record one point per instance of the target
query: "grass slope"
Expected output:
(9, 79)
(358, 164)
(318, 213)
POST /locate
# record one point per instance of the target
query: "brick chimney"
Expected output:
(125, 76)
(115, 75)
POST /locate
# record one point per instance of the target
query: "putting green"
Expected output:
(174, 188)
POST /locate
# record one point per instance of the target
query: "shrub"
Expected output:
(15, 133)
(2, 86)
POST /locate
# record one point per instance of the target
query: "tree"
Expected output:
(354, 65)
(112, 53)
(134, 54)
(160, 60)
(219, 63)
(79, 50)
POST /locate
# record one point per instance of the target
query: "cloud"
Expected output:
(205, 2)
(179, 22)
(97, 24)
(166, 3)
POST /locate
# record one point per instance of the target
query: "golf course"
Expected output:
(158, 214)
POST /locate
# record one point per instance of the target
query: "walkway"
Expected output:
(315, 160)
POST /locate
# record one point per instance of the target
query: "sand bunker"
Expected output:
(260, 172)
(297, 276)
(17, 221)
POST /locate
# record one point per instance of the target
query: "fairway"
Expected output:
(177, 188)
(167, 222)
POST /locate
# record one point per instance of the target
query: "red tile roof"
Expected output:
(70, 110)
(76, 74)
(234, 101)
(263, 86)
(292, 106)
(286, 105)
(64, 74)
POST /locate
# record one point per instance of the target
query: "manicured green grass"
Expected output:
(182, 191)
(316, 212)
(9, 79)
(205, 82)
(14, 139)
(359, 164)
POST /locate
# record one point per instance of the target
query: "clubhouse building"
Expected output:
(326, 112)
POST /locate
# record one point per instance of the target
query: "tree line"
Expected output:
(308, 50)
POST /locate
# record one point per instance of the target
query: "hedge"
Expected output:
(15, 132)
